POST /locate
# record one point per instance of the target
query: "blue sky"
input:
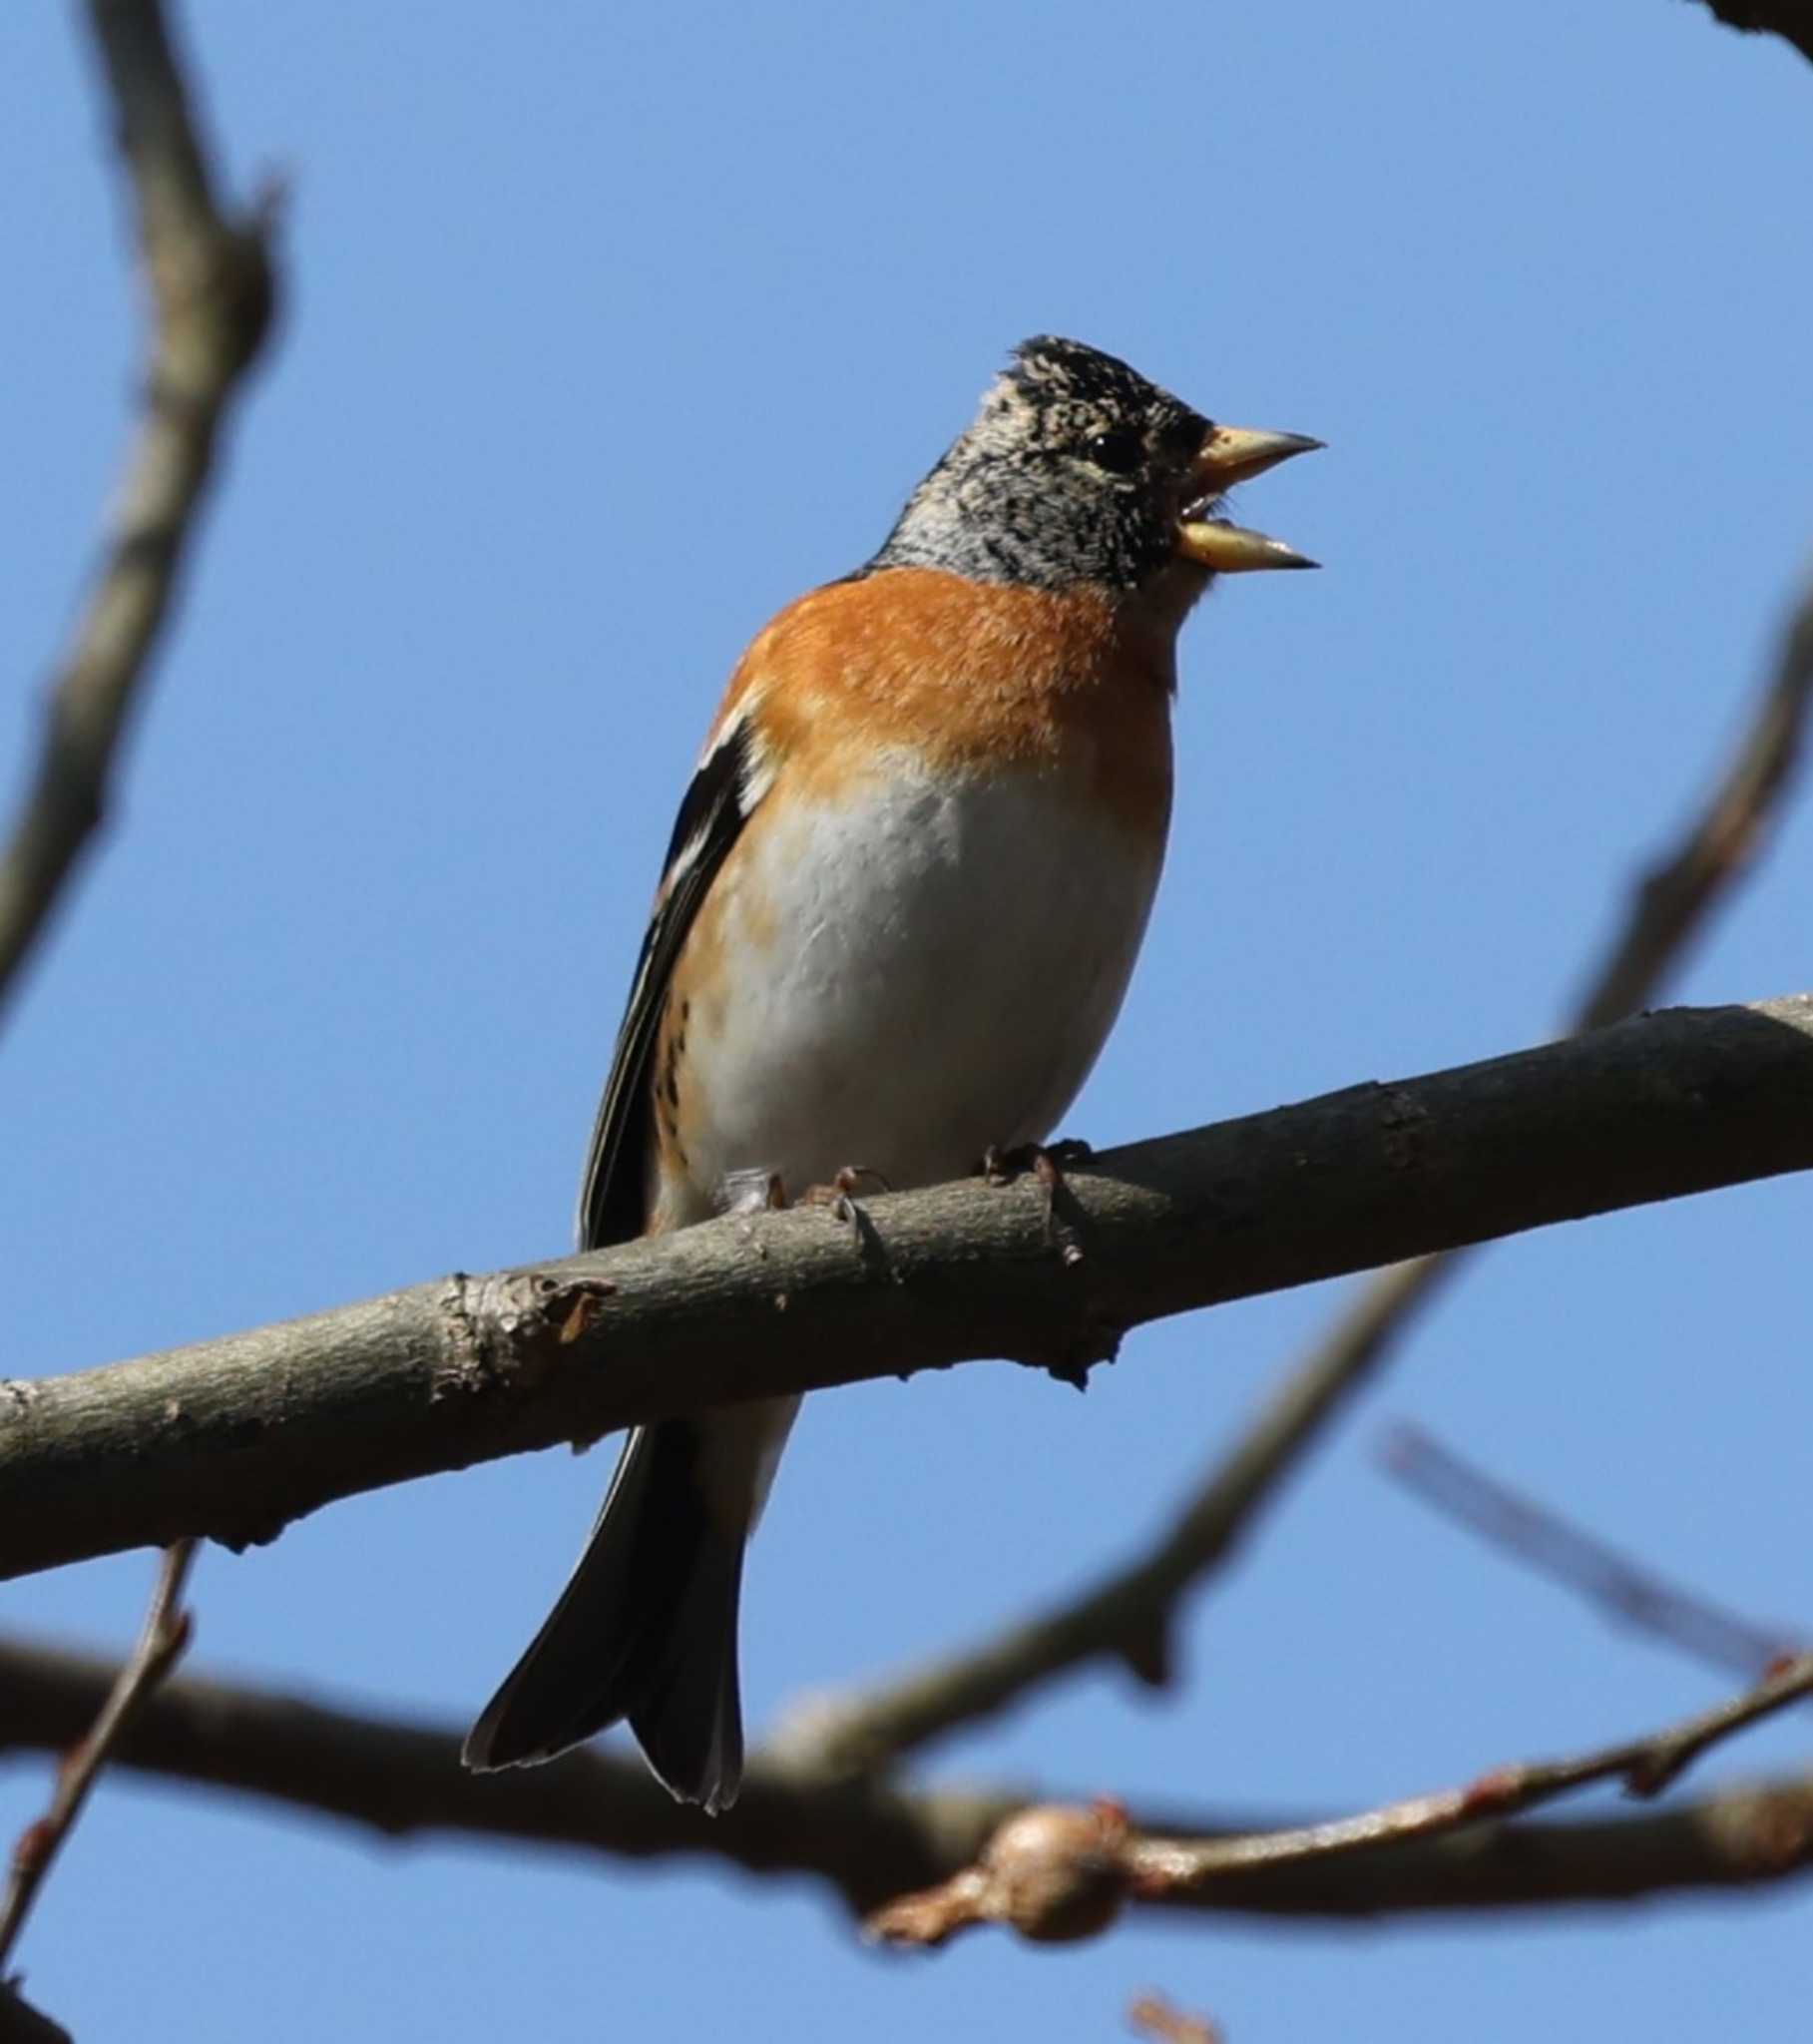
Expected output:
(605, 337)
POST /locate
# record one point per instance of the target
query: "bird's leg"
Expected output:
(752, 1192)
(746, 1194)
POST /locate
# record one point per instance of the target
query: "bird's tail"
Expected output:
(645, 1627)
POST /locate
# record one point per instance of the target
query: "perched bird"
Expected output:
(897, 917)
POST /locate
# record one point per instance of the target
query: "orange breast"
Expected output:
(973, 678)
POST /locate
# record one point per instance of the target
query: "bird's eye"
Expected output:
(1118, 452)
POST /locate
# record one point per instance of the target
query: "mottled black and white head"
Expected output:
(1077, 471)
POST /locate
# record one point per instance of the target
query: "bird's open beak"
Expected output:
(1235, 454)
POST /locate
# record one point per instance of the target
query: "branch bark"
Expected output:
(234, 1438)
(866, 1841)
(212, 292)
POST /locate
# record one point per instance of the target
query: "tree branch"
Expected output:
(212, 292)
(234, 1438)
(1626, 1591)
(1670, 904)
(1150, 2015)
(20, 2023)
(1792, 20)
(1057, 1874)
(161, 1641)
(866, 1841)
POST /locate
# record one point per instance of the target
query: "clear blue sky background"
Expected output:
(606, 336)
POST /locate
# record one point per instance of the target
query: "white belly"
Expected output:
(931, 969)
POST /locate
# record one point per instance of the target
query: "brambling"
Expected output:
(897, 917)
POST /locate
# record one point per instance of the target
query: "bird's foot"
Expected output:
(840, 1195)
(1047, 1162)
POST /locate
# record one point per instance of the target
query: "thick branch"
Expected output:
(234, 1438)
(867, 1844)
(211, 290)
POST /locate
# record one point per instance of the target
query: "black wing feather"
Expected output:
(613, 1199)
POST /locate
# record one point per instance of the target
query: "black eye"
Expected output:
(1118, 452)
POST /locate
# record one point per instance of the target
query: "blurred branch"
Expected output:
(20, 2023)
(161, 1641)
(1792, 20)
(1671, 902)
(1128, 1614)
(1625, 1589)
(1150, 2015)
(1057, 1874)
(211, 288)
(867, 1841)
(401, 1780)
(232, 1438)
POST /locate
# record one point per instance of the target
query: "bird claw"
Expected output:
(1047, 1163)
(838, 1196)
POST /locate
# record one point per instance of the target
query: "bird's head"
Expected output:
(1077, 471)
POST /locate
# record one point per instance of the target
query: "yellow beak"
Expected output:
(1230, 456)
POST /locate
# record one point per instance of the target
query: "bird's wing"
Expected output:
(730, 782)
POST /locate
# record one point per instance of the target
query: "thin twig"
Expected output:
(1644, 1766)
(161, 1641)
(211, 290)
(1128, 1614)
(867, 1841)
(1057, 1874)
(1627, 1591)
